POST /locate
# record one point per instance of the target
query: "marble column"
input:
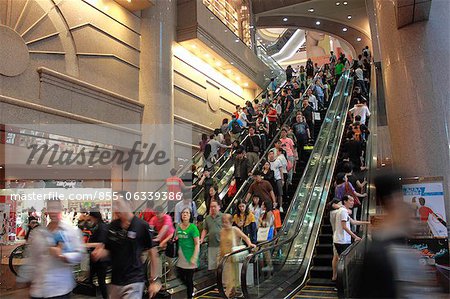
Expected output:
(416, 62)
(158, 30)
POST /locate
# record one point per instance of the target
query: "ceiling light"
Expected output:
(318, 23)
(1, 167)
(207, 55)
(358, 39)
(129, 1)
(194, 46)
(238, 78)
(246, 84)
(226, 30)
(229, 71)
(49, 166)
(218, 63)
(90, 166)
(345, 3)
(232, 63)
(285, 19)
(212, 18)
(349, 17)
(251, 27)
(311, 10)
(338, 3)
(344, 29)
(237, 40)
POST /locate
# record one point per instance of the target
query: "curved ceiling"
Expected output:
(352, 35)
(333, 18)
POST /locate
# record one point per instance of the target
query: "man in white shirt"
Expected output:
(215, 145)
(361, 110)
(243, 118)
(342, 235)
(53, 251)
(312, 99)
(360, 79)
(277, 166)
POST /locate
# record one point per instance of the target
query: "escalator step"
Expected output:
(322, 259)
(325, 238)
(321, 271)
(321, 282)
(324, 249)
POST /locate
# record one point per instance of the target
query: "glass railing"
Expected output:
(284, 254)
(350, 260)
(275, 70)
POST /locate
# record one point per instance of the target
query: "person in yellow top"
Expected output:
(230, 237)
(245, 220)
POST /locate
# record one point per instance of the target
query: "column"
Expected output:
(158, 29)
(416, 62)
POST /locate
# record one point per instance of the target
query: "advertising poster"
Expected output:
(428, 199)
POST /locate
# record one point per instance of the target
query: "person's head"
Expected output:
(305, 102)
(212, 191)
(251, 130)
(227, 221)
(283, 133)
(298, 118)
(214, 207)
(225, 121)
(159, 211)
(173, 172)
(256, 201)
(95, 216)
(272, 79)
(206, 173)
(266, 165)
(289, 91)
(257, 176)
(341, 178)
(367, 47)
(233, 117)
(240, 154)
(289, 67)
(186, 215)
(54, 208)
(348, 201)
(347, 167)
(204, 137)
(277, 144)
(334, 204)
(358, 118)
(421, 201)
(242, 207)
(122, 207)
(267, 205)
(331, 52)
(271, 156)
(235, 143)
(359, 57)
(238, 107)
(309, 92)
(295, 85)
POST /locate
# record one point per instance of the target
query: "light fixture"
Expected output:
(211, 18)
(1, 167)
(338, 3)
(251, 27)
(218, 63)
(236, 40)
(345, 3)
(226, 30)
(246, 84)
(344, 29)
(238, 78)
(229, 71)
(49, 166)
(318, 23)
(129, 1)
(349, 17)
(90, 166)
(232, 63)
(358, 39)
(311, 10)
(194, 46)
(207, 55)
(285, 19)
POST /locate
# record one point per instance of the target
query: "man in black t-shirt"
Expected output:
(128, 237)
(307, 112)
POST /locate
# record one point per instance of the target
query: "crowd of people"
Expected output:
(267, 138)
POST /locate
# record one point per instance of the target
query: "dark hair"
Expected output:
(386, 184)
(238, 211)
(207, 151)
(358, 117)
(346, 198)
(347, 167)
(330, 204)
(224, 121)
(97, 215)
(269, 207)
(204, 136)
(173, 172)
(340, 178)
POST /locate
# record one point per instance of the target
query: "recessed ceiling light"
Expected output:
(237, 40)
(311, 10)
(218, 63)
(318, 23)
(285, 19)
(345, 3)
(358, 39)
(238, 78)
(251, 27)
(212, 18)
(349, 17)
(49, 166)
(246, 84)
(90, 166)
(129, 1)
(338, 3)
(194, 46)
(344, 29)
(232, 63)
(226, 30)
(229, 71)
(207, 55)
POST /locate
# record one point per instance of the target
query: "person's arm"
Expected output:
(244, 238)
(361, 185)
(357, 222)
(247, 197)
(73, 238)
(177, 214)
(204, 231)
(344, 227)
(184, 187)
(272, 195)
(202, 180)
(194, 258)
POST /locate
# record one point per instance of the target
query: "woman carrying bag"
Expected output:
(244, 219)
(187, 235)
(266, 231)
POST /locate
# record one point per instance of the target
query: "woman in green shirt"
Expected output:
(188, 250)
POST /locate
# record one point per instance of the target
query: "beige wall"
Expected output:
(201, 99)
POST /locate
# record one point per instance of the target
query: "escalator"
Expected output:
(278, 264)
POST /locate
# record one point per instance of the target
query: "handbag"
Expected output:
(172, 246)
(232, 189)
(255, 148)
(349, 191)
(265, 234)
(316, 115)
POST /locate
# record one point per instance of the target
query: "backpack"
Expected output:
(235, 127)
(366, 53)
(357, 132)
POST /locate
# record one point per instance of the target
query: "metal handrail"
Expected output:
(305, 210)
(278, 235)
(371, 160)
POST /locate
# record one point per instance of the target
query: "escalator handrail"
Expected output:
(275, 239)
(269, 147)
(371, 160)
(297, 230)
